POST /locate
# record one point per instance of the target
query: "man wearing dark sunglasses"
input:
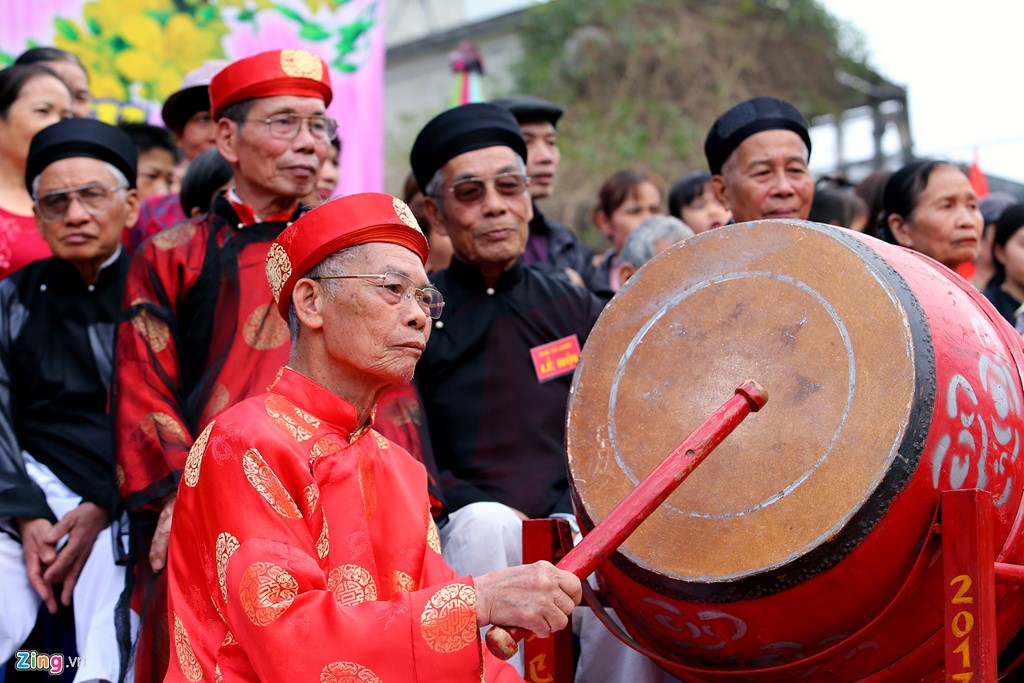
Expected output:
(496, 373)
(58, 488)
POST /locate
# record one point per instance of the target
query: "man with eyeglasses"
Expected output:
(496, 375)
(58, 489)
(201, 330)
(328, 541)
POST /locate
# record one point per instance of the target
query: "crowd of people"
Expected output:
(237, 415)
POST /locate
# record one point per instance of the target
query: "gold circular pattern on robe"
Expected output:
(279, 269)
(266, 592)
(265, 329)
(163, 427)
(448, 622)
(269, 486)
(382, 441)
(225, 548)
(119, 476)
(402, 582)
(347, 672)
(295, 421)
(433, 538)
(301, 64)
(323, 544)
(351, 585)
(217, 677)
(229, 639)
(406, 215)
(174, 237)
(195, 458)
(149, 327)
(186, 656)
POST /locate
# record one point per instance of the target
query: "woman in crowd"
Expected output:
(1006, 288)
(930, 207)
(32, 97)
(692, 201)
(70, 70)
(626, 200)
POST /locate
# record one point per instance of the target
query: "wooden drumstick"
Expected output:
(598, 545)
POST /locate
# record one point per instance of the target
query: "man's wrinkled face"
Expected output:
(95, 211)
(490, 231)
(273, 166)
(766, 177)
(371, 332)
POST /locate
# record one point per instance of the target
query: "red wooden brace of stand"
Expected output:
(604, 538)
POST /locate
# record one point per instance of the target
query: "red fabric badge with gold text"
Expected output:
(556, 358)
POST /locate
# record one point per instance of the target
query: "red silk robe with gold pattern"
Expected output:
(303, 548)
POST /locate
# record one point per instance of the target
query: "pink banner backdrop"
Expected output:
(138, 51)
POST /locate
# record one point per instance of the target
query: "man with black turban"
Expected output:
(758, 153)
(58, 490)
(496, 373)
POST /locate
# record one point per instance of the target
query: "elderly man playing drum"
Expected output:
(58, 490)
(758, 153)
(328, 540)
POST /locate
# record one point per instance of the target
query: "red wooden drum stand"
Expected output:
(821, 541)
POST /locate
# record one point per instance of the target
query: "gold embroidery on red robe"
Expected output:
(448, 622)
(269, 486)
(195, 458)
(266, 592)
(382, 442)
(433, 538)
(312, 496)
(119, 476)
(295, 421)
(279, 269)
(174, 237)
(347, 672)
(351, 585)
(402, 582)
(229, 639)
(265, 328)
(217, 677)
(226, 547)
(367, 485)
(152, 329)
(186, 657)
(163, 427)
(323, 544)
(323, 447)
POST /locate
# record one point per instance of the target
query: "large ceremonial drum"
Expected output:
(803, 547)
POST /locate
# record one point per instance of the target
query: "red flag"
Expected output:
(978, 181)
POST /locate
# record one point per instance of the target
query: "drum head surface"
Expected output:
(812, 314)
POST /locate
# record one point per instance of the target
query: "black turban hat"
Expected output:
(528, 108)
(463, 129)
(81, 138)
(749, 118)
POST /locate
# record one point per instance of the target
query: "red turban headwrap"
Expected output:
(268, 74)
(338, 224)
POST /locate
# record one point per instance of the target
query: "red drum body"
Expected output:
(802, 548)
